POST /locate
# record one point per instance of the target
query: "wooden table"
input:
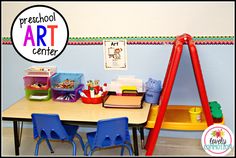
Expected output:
(74, 113)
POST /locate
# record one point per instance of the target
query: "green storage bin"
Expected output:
(39, 95)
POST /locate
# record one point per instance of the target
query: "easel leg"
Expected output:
(169, 81)
(200, 82)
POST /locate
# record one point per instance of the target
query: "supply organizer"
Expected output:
(129, 99)
(95, 92)
(66, 86)
(37, 82)
(89, 100)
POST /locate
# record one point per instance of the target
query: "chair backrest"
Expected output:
(112, 132)
(48, 126)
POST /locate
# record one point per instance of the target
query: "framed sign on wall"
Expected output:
(115, 54)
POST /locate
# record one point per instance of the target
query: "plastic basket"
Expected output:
(90, 100)
(67, 96)
(42, 71)
(60, 77)
(37, 83)
(39, 95)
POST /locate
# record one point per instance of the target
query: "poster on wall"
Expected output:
(115, 54)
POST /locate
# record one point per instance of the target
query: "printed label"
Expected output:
(217, 140)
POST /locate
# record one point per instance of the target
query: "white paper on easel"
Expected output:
(115, 54)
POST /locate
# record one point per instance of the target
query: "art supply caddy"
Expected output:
(37, 82)
(44, 82)
(95, 92)
(65, 86)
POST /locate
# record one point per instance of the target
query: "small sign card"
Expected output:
(115, 54)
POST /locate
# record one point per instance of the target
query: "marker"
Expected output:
(92, 92)
(100, 93)
(72, 96)
(104, 87)
(60, 97)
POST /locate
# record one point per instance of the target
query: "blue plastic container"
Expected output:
(60, 77)
(153, 91)
(152, 97)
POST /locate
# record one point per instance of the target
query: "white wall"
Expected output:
(94, 19)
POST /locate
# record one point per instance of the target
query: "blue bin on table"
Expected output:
(153, 91)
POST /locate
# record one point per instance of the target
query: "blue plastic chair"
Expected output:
(49, 127)
(110, 133)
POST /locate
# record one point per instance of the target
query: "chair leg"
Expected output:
(85, 149)
(130, 146)
(90, 153)
(37, 146)
(80, 140)
(130, 149)
(74, 148)
(122, 150)
(49, 146)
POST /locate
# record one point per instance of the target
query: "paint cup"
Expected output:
(195, 114)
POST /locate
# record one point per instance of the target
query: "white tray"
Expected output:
(41, 71)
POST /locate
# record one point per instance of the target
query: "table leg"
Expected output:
(142, 137)
(16, 138)
(135, 141)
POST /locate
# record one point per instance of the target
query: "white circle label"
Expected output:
(217, 140)
(39, 33)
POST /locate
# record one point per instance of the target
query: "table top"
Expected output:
(74, 111)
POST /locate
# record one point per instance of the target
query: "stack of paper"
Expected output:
(125, 81)
(123, 101)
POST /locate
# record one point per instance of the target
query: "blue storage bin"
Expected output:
(60, 77)
(152, 97)
(153, 91)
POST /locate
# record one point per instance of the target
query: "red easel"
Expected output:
(168, 84)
